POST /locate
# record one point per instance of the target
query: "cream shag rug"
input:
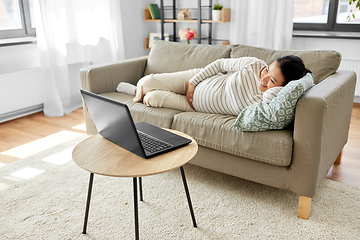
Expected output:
(44, 197)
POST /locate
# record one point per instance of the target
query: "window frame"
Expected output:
(26, 30)
(331, 25)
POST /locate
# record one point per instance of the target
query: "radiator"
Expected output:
(20, 91)
(353, 66)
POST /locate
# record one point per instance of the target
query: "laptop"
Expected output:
(114, 122)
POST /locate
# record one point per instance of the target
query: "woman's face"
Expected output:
(271, 76)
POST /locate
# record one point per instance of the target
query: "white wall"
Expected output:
(349, 49)
(135, 28)
(18, 57)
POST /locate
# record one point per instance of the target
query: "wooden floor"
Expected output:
(35, 127)
(32, 128)
(348, 171)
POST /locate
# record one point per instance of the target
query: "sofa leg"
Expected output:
(304, 207)
(338, 159)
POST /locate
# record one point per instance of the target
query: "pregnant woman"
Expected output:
(225, 86)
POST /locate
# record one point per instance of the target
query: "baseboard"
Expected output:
(21, 113)
(356, 99)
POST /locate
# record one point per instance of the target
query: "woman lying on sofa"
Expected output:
(226, 86)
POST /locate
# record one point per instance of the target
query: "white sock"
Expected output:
(127, 88)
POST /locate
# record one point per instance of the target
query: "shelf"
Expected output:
(147, 44)
(147, 16)
(226, 12)
(199, 21)
(225, 16)
(175, 20)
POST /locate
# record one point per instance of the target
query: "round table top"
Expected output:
(98, 155)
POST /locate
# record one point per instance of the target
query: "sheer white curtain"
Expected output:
(262, 23)
(72, 34)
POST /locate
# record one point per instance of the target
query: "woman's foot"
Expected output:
(127, 88)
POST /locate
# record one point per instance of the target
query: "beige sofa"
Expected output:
(296, 158)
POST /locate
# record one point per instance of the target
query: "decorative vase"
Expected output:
(216, 15)
(187, 41)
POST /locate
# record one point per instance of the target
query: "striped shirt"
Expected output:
(271, 93)
(227, 86)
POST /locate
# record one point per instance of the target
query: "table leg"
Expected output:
(136, 209)
(188, 196)
(140, 186)
(88, 202)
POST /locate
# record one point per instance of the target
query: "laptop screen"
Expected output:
(113, 121)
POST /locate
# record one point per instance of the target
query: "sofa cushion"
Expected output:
(166, 57)
(161, 117)
(279, 113)
(322, 63)
(217, 132)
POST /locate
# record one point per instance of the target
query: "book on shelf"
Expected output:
(154, 11)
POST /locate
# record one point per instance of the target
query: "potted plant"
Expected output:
(216, 13)
(352, 14)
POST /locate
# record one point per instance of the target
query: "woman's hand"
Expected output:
(190, 93)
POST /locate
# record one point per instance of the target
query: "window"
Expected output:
(16, 18)
(326, 15)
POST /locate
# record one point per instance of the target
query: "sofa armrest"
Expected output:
(104, 78)
(321, 128)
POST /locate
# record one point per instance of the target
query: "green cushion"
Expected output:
(279, 113)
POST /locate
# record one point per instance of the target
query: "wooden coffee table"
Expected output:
(98, 155)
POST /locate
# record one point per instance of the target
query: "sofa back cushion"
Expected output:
(166, 57)
(321, 63)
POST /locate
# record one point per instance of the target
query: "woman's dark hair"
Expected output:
(292, 67)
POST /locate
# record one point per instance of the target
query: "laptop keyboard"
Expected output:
(151, 144)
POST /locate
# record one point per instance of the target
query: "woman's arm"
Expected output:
(222, 65)
(271, 93)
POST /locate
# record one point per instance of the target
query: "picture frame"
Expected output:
(154, 37)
